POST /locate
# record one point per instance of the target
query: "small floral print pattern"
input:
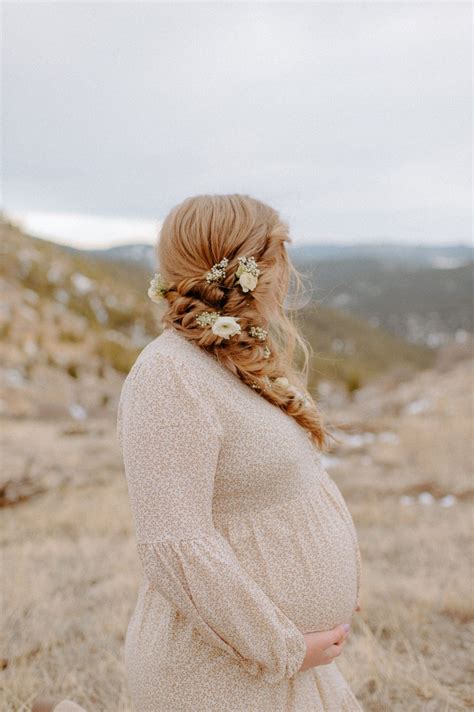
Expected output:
(235, 570)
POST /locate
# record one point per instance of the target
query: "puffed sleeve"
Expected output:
(170, 438)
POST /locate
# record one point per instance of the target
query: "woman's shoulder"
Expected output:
(173, 364)
(172, 352)
(166, 354)
(166, 379)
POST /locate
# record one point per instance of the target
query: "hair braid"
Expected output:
(199, 233)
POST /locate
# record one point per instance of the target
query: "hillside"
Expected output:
(422, 304)
(72, 325)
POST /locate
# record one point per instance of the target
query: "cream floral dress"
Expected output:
(245, 543)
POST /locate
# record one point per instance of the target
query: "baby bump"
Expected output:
(304, 556)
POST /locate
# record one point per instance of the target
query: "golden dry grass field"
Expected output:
(70, 571)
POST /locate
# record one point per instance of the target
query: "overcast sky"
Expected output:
(351, 118)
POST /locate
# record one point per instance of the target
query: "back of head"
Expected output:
(205, 243)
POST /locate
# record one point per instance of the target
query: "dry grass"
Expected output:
(71, 572)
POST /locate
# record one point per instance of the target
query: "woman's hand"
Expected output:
(323, 647)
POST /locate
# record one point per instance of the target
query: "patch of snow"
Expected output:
(55, 274)
(341, 300)
(436, 339)
(461, 336)
(418, 406)
(445, 262)
(448, 500)
(28, 254)
(30, 348)
(357, 440)
(324, 388)
(81, 283)
(111, 300)
(116, 336)
(14, 377)
(61, 296)
(30, 296)
(425, 498)
(98, 308)
(77, 411)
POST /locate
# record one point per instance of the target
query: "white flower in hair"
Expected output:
(258, 333)
(157, 288)
(207, 318)
(295, 393)
(226, 326)
(247, 281)
(218, 271)
(247, 273)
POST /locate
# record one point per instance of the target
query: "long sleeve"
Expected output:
(171, 440)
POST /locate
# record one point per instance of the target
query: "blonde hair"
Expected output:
(200, 232)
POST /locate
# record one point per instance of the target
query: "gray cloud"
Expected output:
(353, 119)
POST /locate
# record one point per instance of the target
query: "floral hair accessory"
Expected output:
(157, 288)
(247, 273)
(258, 333)
(224, 326)
(207, 318)
(296, 394)
(281, 381)
(217, 271)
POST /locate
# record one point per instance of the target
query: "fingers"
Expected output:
(334, 636)
(333, 651)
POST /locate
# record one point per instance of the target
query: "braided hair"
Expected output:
(207, 234)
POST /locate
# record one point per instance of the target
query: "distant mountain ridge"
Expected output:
(416, 255)
(421, 293)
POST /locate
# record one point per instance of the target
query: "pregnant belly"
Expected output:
(304, 556)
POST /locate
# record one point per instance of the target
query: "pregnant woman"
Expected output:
(250, 557)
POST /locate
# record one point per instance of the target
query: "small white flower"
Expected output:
(226, 326)
(247, 281)
(300, 396)
(258, 333)
(157, 288)
(247, 273)
(218, 271)
(207, 318)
